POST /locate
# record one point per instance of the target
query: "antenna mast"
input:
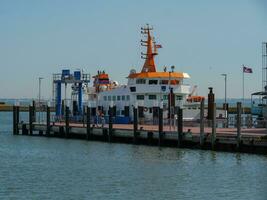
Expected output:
(264, 66)
(150, 44)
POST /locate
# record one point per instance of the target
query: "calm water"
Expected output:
(49, 168)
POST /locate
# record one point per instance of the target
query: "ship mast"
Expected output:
(149, 65)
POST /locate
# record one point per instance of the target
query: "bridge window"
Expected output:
(153, 82)
(118, 98)
(141, 81)
(123, 97)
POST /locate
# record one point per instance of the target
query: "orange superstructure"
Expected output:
(159, 75)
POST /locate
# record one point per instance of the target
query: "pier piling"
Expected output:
(24, 129)
(201, 136)
(238, 124)
(180, 125)
(88, 123)
(48, 121)
(110, 123)
(213, 124)
(14, 120)
(67, 122)
(160, 126)
(30, 119)
(135, 124)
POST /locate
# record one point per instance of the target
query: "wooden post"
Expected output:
(160, 125)
(213, 124)
(67, 122)
(33, 111)
(201, 135)
(110, 123)
(238, 124)
(24, 130)
(14, 120)
(17, 120)
(135, 124)
(180, 125)
(48, 126)
(88, 123)
(227, 115)
(30, 119)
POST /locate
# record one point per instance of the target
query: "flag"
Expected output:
(158, 46)
(247, 69)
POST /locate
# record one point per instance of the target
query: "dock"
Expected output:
(204, 135)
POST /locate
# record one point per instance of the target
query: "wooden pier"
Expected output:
(252, 140)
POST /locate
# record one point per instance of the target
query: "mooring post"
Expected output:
(180, 125)
(48, 121)
(14, 120)
(201, 134)
(33, 111)
(110, 123)
(160, 125)
(24, 130)
(135, 123)
(67, 122)
(88, 123)
(17, 120)
(30, 119)
(238, 124)
(227, 115)
(213, 124)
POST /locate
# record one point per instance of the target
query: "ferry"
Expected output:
(147, 90)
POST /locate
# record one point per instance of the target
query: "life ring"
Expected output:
(145, 109)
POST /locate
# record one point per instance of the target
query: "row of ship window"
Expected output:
(155, 82)
(138, 97)
(117, 98)
(154, 97)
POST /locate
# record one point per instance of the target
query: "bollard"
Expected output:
(135, 124)
(201, 135)
(30, 119)
(180, 125)
(14, 120)
(238, 124)
(48, 126)
(110, 123)
(213, 124)
(67, 122)
(160, 126)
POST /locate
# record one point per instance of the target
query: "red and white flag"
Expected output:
(247, 69)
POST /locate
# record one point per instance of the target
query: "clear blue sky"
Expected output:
(203, 38)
